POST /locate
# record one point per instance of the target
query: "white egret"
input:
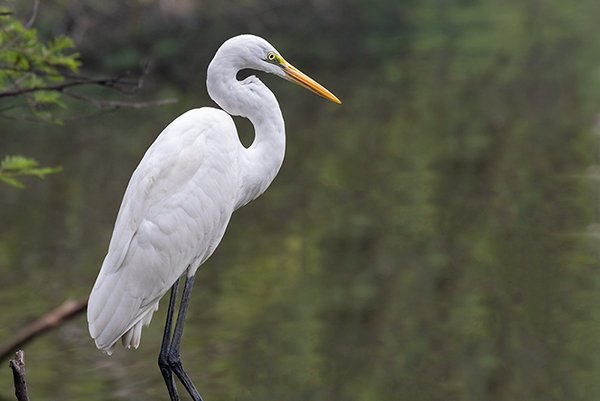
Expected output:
(181, 196)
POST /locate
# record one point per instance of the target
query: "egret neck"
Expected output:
(251, 99)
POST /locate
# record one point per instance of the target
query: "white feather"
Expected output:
(181, 196)
(174, 213)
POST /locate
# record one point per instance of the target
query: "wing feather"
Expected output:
(173, 214)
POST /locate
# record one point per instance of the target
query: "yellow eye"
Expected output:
(271, 56)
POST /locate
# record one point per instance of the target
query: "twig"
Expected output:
(117, 104)
(145, 71)
(138, 105)
(34, 13)
(109, 82)
(18, 368)
(67, 310)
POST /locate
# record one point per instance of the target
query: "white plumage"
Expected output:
(174, 213)
(181, 196)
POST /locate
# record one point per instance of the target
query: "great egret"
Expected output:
(181, 196)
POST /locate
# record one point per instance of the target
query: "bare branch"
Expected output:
(56, 317)
(18, 368)
(107, 82)
(118, 104)
(138, 105)
(34, 13)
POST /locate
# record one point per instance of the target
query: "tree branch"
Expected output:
(18, 368)
(116, 104)
(54, 318)
(109, 82)
(34, 13)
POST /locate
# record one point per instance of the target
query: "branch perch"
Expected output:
(54, 318)
(18, 368)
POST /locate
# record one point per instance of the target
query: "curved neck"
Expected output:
(250, 99)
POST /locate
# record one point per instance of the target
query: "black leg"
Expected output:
(173, 356)
(163, 360)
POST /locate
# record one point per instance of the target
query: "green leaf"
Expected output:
(12, 181)
(27, 62)
(17, 166)
(17, 163)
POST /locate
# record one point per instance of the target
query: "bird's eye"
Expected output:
(271, 56)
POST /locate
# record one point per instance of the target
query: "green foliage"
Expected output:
(29, 72)
(14, 167)
(28, 66)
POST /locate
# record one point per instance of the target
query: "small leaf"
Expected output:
(17, 163)
(15, 166)
(42, 172)
(11, 181)
(47, 97)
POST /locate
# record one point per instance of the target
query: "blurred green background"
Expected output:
(427, 240)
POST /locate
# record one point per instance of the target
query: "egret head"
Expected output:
(256, 53)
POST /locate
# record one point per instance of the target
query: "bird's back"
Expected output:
(173, 215)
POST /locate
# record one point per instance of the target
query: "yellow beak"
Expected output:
(296, 76)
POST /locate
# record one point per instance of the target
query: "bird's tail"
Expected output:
(114, 313)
